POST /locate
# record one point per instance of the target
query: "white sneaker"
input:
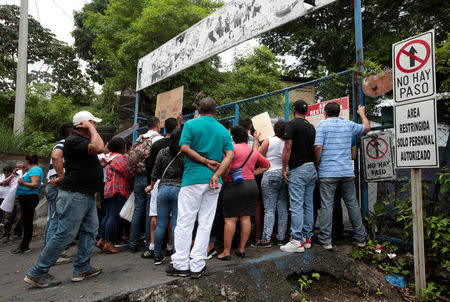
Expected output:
(361, 244)
(327, 246)
(293, 246)
(307, 243)
(63, 259)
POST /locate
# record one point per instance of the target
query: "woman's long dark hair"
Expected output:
(174, 142)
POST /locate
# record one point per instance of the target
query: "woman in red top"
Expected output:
(117, 191)
(239, 200)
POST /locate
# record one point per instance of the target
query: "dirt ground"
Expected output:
(329, 288)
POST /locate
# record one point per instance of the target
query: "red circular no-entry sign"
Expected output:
(377, 148)
(412, 56)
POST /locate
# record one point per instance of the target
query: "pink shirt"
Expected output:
(241, 152)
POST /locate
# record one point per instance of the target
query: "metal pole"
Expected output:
(21, 79)
(236, 114)
(419, 252)
(286, 105)
(355, 101)
(359, 64)
(136, 113)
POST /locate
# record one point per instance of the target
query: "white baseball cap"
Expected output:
(84, 116)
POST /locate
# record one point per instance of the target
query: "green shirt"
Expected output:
(208, 138)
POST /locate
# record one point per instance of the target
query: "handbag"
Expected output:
(8, 203)
(236, 174)
(128, 208)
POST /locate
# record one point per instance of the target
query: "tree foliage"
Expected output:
(98, 68)
(326, 37)
(129, 29)
(251, 75)
(58, 61)
(42, 44)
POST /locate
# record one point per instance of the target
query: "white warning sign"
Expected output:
(378, 156)
(416, 135)
(414, 68)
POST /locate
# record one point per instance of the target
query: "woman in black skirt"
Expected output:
(239, 198)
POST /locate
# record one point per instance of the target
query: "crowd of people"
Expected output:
(190, 188)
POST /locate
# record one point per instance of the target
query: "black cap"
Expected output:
(301, 107)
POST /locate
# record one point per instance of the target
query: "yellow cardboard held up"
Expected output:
(169, 104)
(263, 124)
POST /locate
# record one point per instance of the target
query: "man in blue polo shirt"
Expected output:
(203, 141)
(334, 161)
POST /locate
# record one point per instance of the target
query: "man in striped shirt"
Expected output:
(54, 177)
(334, 162)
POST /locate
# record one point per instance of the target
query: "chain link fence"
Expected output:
(279, 106)
(279, 103)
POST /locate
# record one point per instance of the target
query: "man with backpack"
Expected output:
(136, 161)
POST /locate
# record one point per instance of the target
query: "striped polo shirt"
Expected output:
(51, 170)
(335, 136)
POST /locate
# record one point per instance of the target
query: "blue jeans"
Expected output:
(52, 222)
(327, 189)
(109, 223)
(76, 211)
(167, 203)
(275, 198)
(141, 211)
(302, 180)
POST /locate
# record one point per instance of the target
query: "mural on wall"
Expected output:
(232, 24)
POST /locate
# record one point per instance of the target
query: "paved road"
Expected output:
(123, 272)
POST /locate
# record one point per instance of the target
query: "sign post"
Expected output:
(414, 84)
(419, 251)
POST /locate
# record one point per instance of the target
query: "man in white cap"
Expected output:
(76, 204)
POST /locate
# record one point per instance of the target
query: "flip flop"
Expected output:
(226, 258)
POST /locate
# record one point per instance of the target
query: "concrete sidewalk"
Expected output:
(122, 273)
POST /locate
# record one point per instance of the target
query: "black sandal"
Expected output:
(241, 255)
(226, 258)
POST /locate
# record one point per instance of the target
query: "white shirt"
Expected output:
(153, 132)
(105, 156)
(275, 152)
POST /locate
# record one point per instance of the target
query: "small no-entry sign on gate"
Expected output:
(414, 68)
(378, 156)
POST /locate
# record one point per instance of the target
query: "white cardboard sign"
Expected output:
(416, 135)
(263, 124)
(414, 75)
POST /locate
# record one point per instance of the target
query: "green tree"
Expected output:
(129, 29)
(59, 64)
(255, 74)
(326, 37)
(98, 68)
(42, 44)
